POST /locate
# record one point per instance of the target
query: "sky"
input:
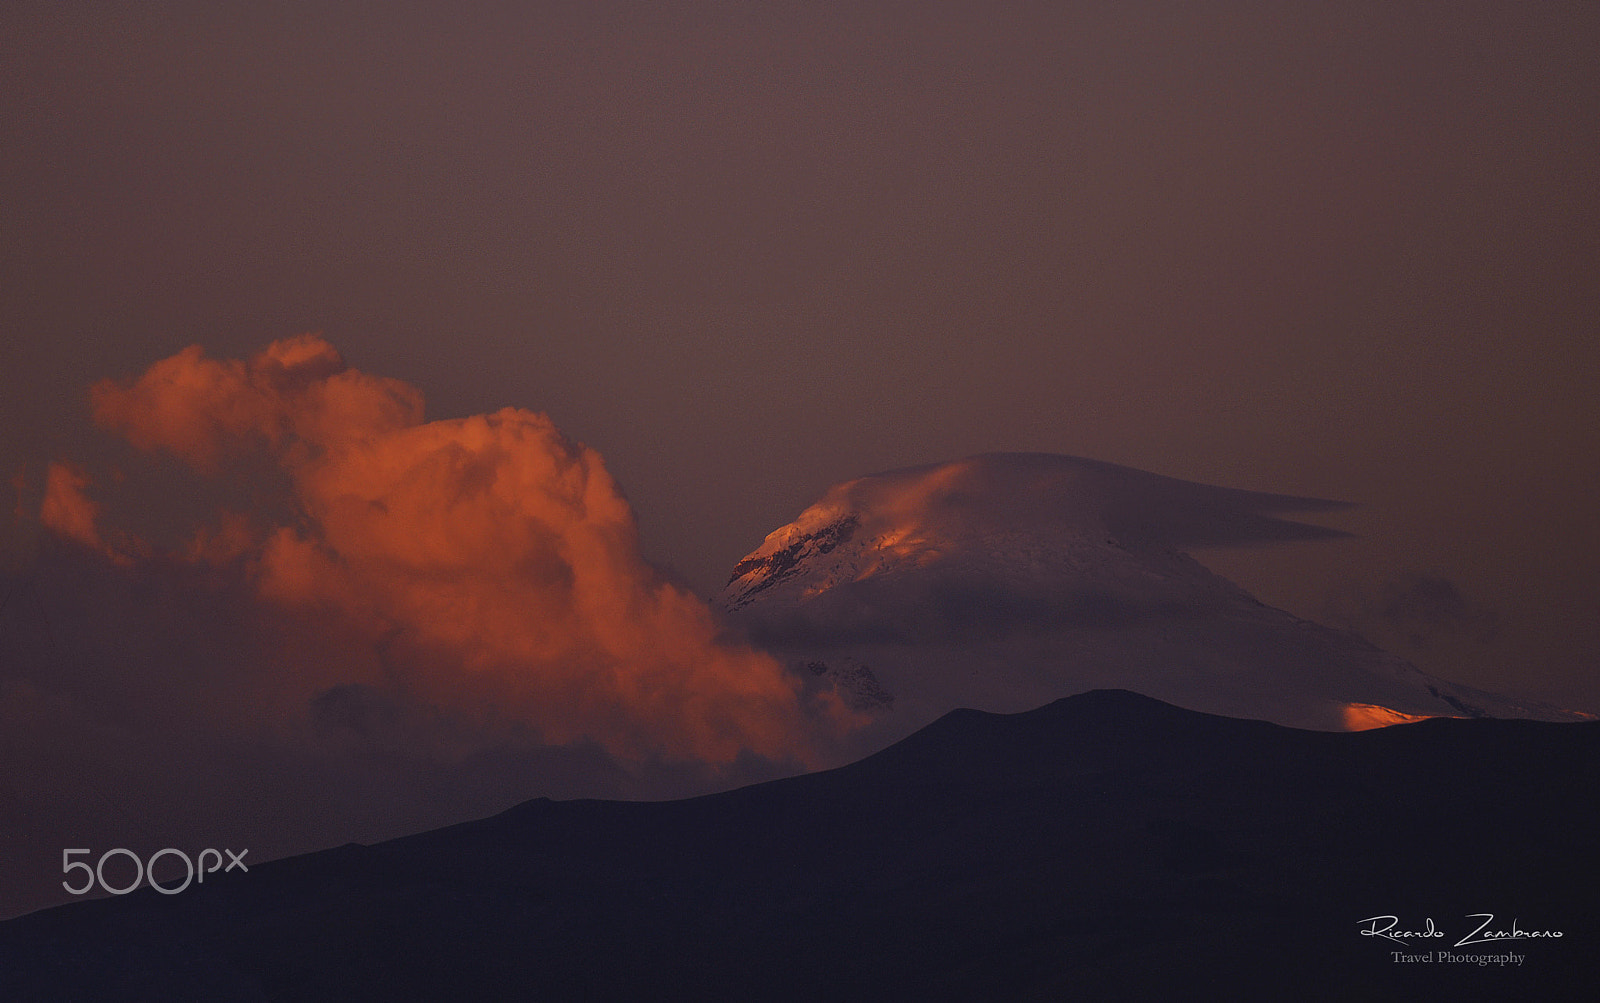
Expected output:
(729, 254)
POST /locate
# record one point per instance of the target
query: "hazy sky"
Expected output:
(746, 250)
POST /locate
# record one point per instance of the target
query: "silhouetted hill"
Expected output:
(1105, 846)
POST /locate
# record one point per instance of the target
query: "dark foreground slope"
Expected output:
(1104, 846)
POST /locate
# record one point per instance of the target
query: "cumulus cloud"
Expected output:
(456, 605)
(293, 396)
(495, 560)
(66, 510)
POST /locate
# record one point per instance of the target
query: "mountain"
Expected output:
(1003, 581)
(1105, 846)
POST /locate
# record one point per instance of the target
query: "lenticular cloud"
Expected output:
(491, 562)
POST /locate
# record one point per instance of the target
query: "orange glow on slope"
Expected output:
(490, 557)
(1366, 716)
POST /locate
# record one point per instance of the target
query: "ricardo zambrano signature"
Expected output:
(1387, 928)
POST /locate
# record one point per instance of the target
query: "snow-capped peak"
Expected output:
(1004, 581)
(1035, 507)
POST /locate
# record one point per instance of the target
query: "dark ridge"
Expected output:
(1465, 708)
(780, 563)
(1104, 846)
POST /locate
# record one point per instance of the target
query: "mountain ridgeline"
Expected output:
(1104, 846)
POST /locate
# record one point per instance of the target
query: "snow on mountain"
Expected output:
(1004, 581)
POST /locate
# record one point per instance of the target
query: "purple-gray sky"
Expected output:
(746, 250)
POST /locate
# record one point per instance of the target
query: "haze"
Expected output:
(745, 251)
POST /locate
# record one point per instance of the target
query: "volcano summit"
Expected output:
(1004, 581)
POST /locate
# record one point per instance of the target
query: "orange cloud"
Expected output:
(296, 391)
(493, 562)
(66, 509)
